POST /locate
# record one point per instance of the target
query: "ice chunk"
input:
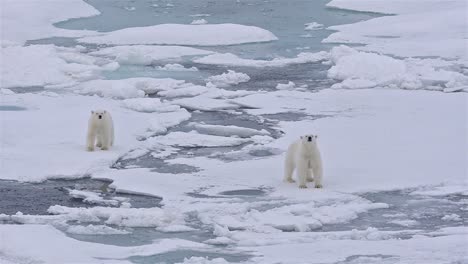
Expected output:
(228, 78)
(194, 139)
(204, 103)
(429, 28)
(175, 67)
(91, 197)
(95, 230)
(28, 20)
(145, 55)
(451, 217)
(26, 243)
(230, 59)
(313, 26)
(227, 131)
(149, 105)
(177, 34)
(127, 88)
(288, 86)
(126, 217)
(359, 69)
(199, 22)
(48, 65)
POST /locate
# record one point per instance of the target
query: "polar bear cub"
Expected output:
(304, 156)
(100, 130)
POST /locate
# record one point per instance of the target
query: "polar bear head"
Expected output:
(309, 142)
(98, 115)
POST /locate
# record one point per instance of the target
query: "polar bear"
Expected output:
(100, 127)
(304, 156)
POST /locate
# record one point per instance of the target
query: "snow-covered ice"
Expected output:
(177, 34)
(48, 65)
(417, 28)
(230, 59)
(203, 131)
(359, 69)
(145, 55)
(92, 198)
(199, 22)
(228, 78)
(20, 25)
(313, 26)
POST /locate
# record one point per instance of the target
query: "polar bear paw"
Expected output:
(303, 186)
(290, 180)
(318, 186)
(90, 148)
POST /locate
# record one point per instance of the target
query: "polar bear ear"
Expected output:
(316, 136)
(302, 137)
(104, 111)
(92, 112)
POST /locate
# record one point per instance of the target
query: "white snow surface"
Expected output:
(149, 105)
(370, 139)
(358, 69)
(19, 24)
(62, 135)
(178, 34)
(230, 59)
(227, 131)
(49, 66)
(145, 55)
(95, 230)
(417, 28)
(26, 245)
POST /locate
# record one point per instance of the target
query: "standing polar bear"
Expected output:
(100, 127)
(304, 156)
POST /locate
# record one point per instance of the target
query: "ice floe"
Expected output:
(409, 32)
(178, 34)
(146, 55)
(230, 59)
(228, 78)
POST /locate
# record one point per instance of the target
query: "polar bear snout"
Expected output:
(309, 139)
(100, 117)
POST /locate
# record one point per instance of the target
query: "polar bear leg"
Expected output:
(99, 141)
(111, 130)
(318, 174)
(90, 139)
(106, 140)
(301, 169)
(288, 170)
(309, 174)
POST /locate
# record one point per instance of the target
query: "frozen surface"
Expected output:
(359, 69)
(48, 65)
(144, 55)
(228, 78)
(406, 33)
(173, 34)
(195, 175)
(25, 244)
(230, 59)
(20, 25)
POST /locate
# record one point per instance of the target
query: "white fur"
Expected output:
(304, 156)
(100, 131)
